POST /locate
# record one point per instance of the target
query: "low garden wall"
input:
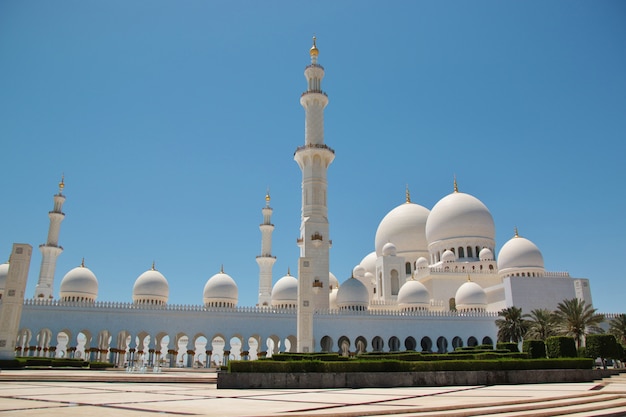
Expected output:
(247, 380)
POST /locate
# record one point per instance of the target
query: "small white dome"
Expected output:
(358, 271)
(520, 255)
(352, 295)
(80, 284)
(151, 287)
(470, 296)
(221, 291)
(405, 226)
(370, 278)
(333, 282)
(421, 263)
(485, 254)
(389, 249)
(369, 262)
(448, 256)
(285, 292)
(4, 273)
(459, 215)
(413, 295)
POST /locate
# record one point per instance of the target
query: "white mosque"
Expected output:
(433, 283)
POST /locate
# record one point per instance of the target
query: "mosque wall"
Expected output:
(531, 293)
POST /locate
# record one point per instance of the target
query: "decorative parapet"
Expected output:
(416, 313)
(556, 274)
(112, 305)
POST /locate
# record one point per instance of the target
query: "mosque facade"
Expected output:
(433, 283)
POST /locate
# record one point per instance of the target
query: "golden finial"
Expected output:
(468, 278)
(267, 197)
(408, 194)
(62, 183)
(153, 268)
(516, 234)
(222, 269)
(314, 51)
(456, 187)
(288, 271)
(82, 263)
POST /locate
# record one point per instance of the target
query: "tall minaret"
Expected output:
(266, 260)
(313, 158)
(51, 249)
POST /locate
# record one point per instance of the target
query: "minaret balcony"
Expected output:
(314, 66)
(314, 92)
(314, 146)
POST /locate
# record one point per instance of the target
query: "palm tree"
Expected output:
(541, 324)
(576, 318)
(617, 327)
(513, 325)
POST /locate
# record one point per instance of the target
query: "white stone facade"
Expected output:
(432, 283)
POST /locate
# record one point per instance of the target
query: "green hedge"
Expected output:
(602, 346)
(510, 346)
(11, 364)
(100, 365)
(561, 347)
(401, 366)
(535, 348)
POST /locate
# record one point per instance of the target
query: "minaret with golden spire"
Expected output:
(51, 249)
(313, 158)
(266, 260)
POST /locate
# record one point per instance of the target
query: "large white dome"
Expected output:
(404, 226)
(151, 287)
(285, 292)
(460, 215)
(369, 262)
(520, 255)
(413, 295)
(4, 273)
(352, 295)
(220, 291)
(470, 296)
(79, 284)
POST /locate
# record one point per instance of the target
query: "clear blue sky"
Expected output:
(170, 119)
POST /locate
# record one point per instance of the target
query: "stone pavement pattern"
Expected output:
(66, 393)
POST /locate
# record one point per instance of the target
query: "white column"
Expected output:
(266, 260)
(313, 158)
(13, 298)
(51, 249)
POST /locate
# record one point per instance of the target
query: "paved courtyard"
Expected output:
(70, 393)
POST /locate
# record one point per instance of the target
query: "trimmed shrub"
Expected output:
(11, 364)
(400, 366)
(100, 365)
(69, 363)
(510, 346)
(484, 347)
(602, 346)
(38, 362)
(535, 348)
(561, 347)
